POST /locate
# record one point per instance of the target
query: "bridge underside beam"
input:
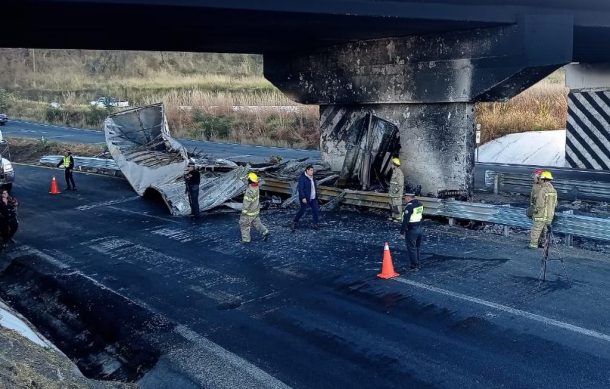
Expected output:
(425, 86)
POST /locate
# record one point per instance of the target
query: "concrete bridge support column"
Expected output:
(424, 85)
(588, 126)
(437, 140)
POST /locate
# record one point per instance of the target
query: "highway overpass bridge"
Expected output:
(418, 64)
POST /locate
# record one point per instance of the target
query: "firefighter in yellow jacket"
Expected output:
(250, 211)
(396, 190)
(544, 208)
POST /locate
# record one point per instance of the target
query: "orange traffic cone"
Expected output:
(387, 268)
(54, 188)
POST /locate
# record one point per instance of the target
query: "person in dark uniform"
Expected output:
(411, 229)
(8, 217)
(192, 178)
(68, 163)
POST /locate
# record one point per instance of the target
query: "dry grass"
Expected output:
(200, 91)
(541, 107)
(31, 150)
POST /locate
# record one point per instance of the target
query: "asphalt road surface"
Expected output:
(306, 309)
(22, 129)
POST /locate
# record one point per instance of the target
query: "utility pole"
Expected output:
(33, 54)
(478, 140)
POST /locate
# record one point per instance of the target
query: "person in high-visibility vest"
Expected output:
(411, 229)
(396, 190)
(250, 211)
(68, 162)
(544, 209)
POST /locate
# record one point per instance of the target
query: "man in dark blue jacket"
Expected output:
(307, 197)
(411, 229)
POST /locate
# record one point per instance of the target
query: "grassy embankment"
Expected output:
(200, 91)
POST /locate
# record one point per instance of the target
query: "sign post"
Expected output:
(478, 140)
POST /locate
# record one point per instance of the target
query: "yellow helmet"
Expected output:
(546, 175)
(252, 177)
(396, 161)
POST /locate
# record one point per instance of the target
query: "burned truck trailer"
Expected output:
(151, 159)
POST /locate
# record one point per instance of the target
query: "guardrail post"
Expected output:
(506, 230)
(451, 221)
(497, 183)
(569, 240)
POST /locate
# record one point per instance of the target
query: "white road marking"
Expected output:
(146, 215)
(511, 310)
(106, 203)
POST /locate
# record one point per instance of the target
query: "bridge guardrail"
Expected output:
(87, 162)
(571, 184)
(567, 189)
(564, 223)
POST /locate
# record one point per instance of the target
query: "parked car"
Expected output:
(7, 174)
(104, 102)
(3, 119)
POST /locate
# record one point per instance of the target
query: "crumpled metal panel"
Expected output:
(369, 147)
(139, 141)
(214, 191)
(292, 169)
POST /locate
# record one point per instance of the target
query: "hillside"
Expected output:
(201, 90)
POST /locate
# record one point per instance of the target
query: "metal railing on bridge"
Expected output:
(571, 184)
(506, 215)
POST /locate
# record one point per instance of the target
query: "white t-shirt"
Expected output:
(313, 189)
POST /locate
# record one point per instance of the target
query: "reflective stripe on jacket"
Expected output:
(545, 204)
(397, 183)
(412, 216)
(251, 202)
(535, 190)
(416, 216)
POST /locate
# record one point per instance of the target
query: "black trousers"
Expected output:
(69, 179)
(413, 239)
(314, 210)
(8, 229)
(193, 192)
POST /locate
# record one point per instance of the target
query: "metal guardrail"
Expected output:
(86, 162)
(566, 189)
(564, 223)
(571, 184)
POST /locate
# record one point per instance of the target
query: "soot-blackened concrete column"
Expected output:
(437, 146)
(424, 85)
(437, 141)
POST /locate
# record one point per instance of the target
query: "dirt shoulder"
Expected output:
(24, 364)
(25, 150)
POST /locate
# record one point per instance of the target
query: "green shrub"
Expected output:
(54, 115)
(95, 116)
(43, 145)
(212, 126)
(5, 100)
